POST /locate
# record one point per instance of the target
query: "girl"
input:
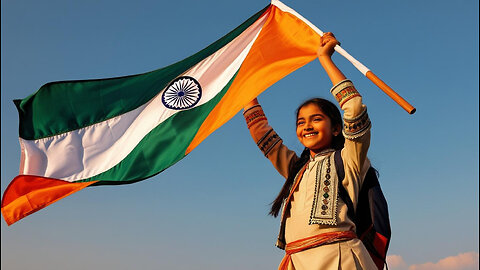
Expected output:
(315, 230)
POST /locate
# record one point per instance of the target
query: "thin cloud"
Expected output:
(396, 262)
(463, 261)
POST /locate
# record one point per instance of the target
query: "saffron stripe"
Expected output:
(296, 44)
(28, 193)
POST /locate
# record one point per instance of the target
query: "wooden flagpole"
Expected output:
(369, 74)
(377, 81)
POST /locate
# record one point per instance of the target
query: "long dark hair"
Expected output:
(330, 110)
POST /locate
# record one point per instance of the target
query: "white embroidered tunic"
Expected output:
(296, 224)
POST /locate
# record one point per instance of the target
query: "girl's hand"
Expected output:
(327, 45)
(325, 51)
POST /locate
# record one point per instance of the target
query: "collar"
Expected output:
(322, 154)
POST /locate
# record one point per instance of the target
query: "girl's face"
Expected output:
(314, 128)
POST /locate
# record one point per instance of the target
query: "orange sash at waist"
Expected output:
(311, 242)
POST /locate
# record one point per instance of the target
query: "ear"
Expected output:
(336, 130)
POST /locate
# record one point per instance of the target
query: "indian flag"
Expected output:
(75, 134)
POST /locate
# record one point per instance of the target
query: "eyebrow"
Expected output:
(313, 115)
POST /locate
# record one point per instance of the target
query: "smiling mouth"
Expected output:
(310, 134)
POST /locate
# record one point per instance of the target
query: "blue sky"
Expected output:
(209, 211)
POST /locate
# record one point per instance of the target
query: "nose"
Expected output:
(308, 126)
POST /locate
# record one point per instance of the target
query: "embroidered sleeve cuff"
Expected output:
(268, 141)
(253, 115)
(344, 91)
(356, 127)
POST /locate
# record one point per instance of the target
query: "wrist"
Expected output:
(332, 70)
(324, 58)
(251, 104)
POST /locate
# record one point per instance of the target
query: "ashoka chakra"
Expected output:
(182, 93)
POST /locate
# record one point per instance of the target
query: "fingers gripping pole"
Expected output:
(385, 88)
(382, 85)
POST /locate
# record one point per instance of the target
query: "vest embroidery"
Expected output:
(325, 198)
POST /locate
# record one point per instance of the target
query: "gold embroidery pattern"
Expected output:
(344, 91)
(346, 94)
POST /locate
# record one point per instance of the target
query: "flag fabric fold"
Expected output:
(75, 134)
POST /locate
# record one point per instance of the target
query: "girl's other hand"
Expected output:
(327, 45)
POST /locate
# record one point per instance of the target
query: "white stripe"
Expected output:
(97, 148)
(363, 69)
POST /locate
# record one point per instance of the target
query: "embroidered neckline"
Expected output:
(322, 153)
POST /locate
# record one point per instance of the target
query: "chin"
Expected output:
(319, 149)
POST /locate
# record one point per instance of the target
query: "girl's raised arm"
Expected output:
(356, 129)
(325, 51)
(267, 139)
(341, 91)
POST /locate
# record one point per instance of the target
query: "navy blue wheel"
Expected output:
(182, 93)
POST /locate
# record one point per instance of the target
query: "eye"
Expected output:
(300, 122)
(317, 119)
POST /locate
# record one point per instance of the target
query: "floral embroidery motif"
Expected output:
(344, 91)
(324, 211)
(346, 94)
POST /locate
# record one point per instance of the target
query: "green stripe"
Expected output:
(60, 107)
(162, 147)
